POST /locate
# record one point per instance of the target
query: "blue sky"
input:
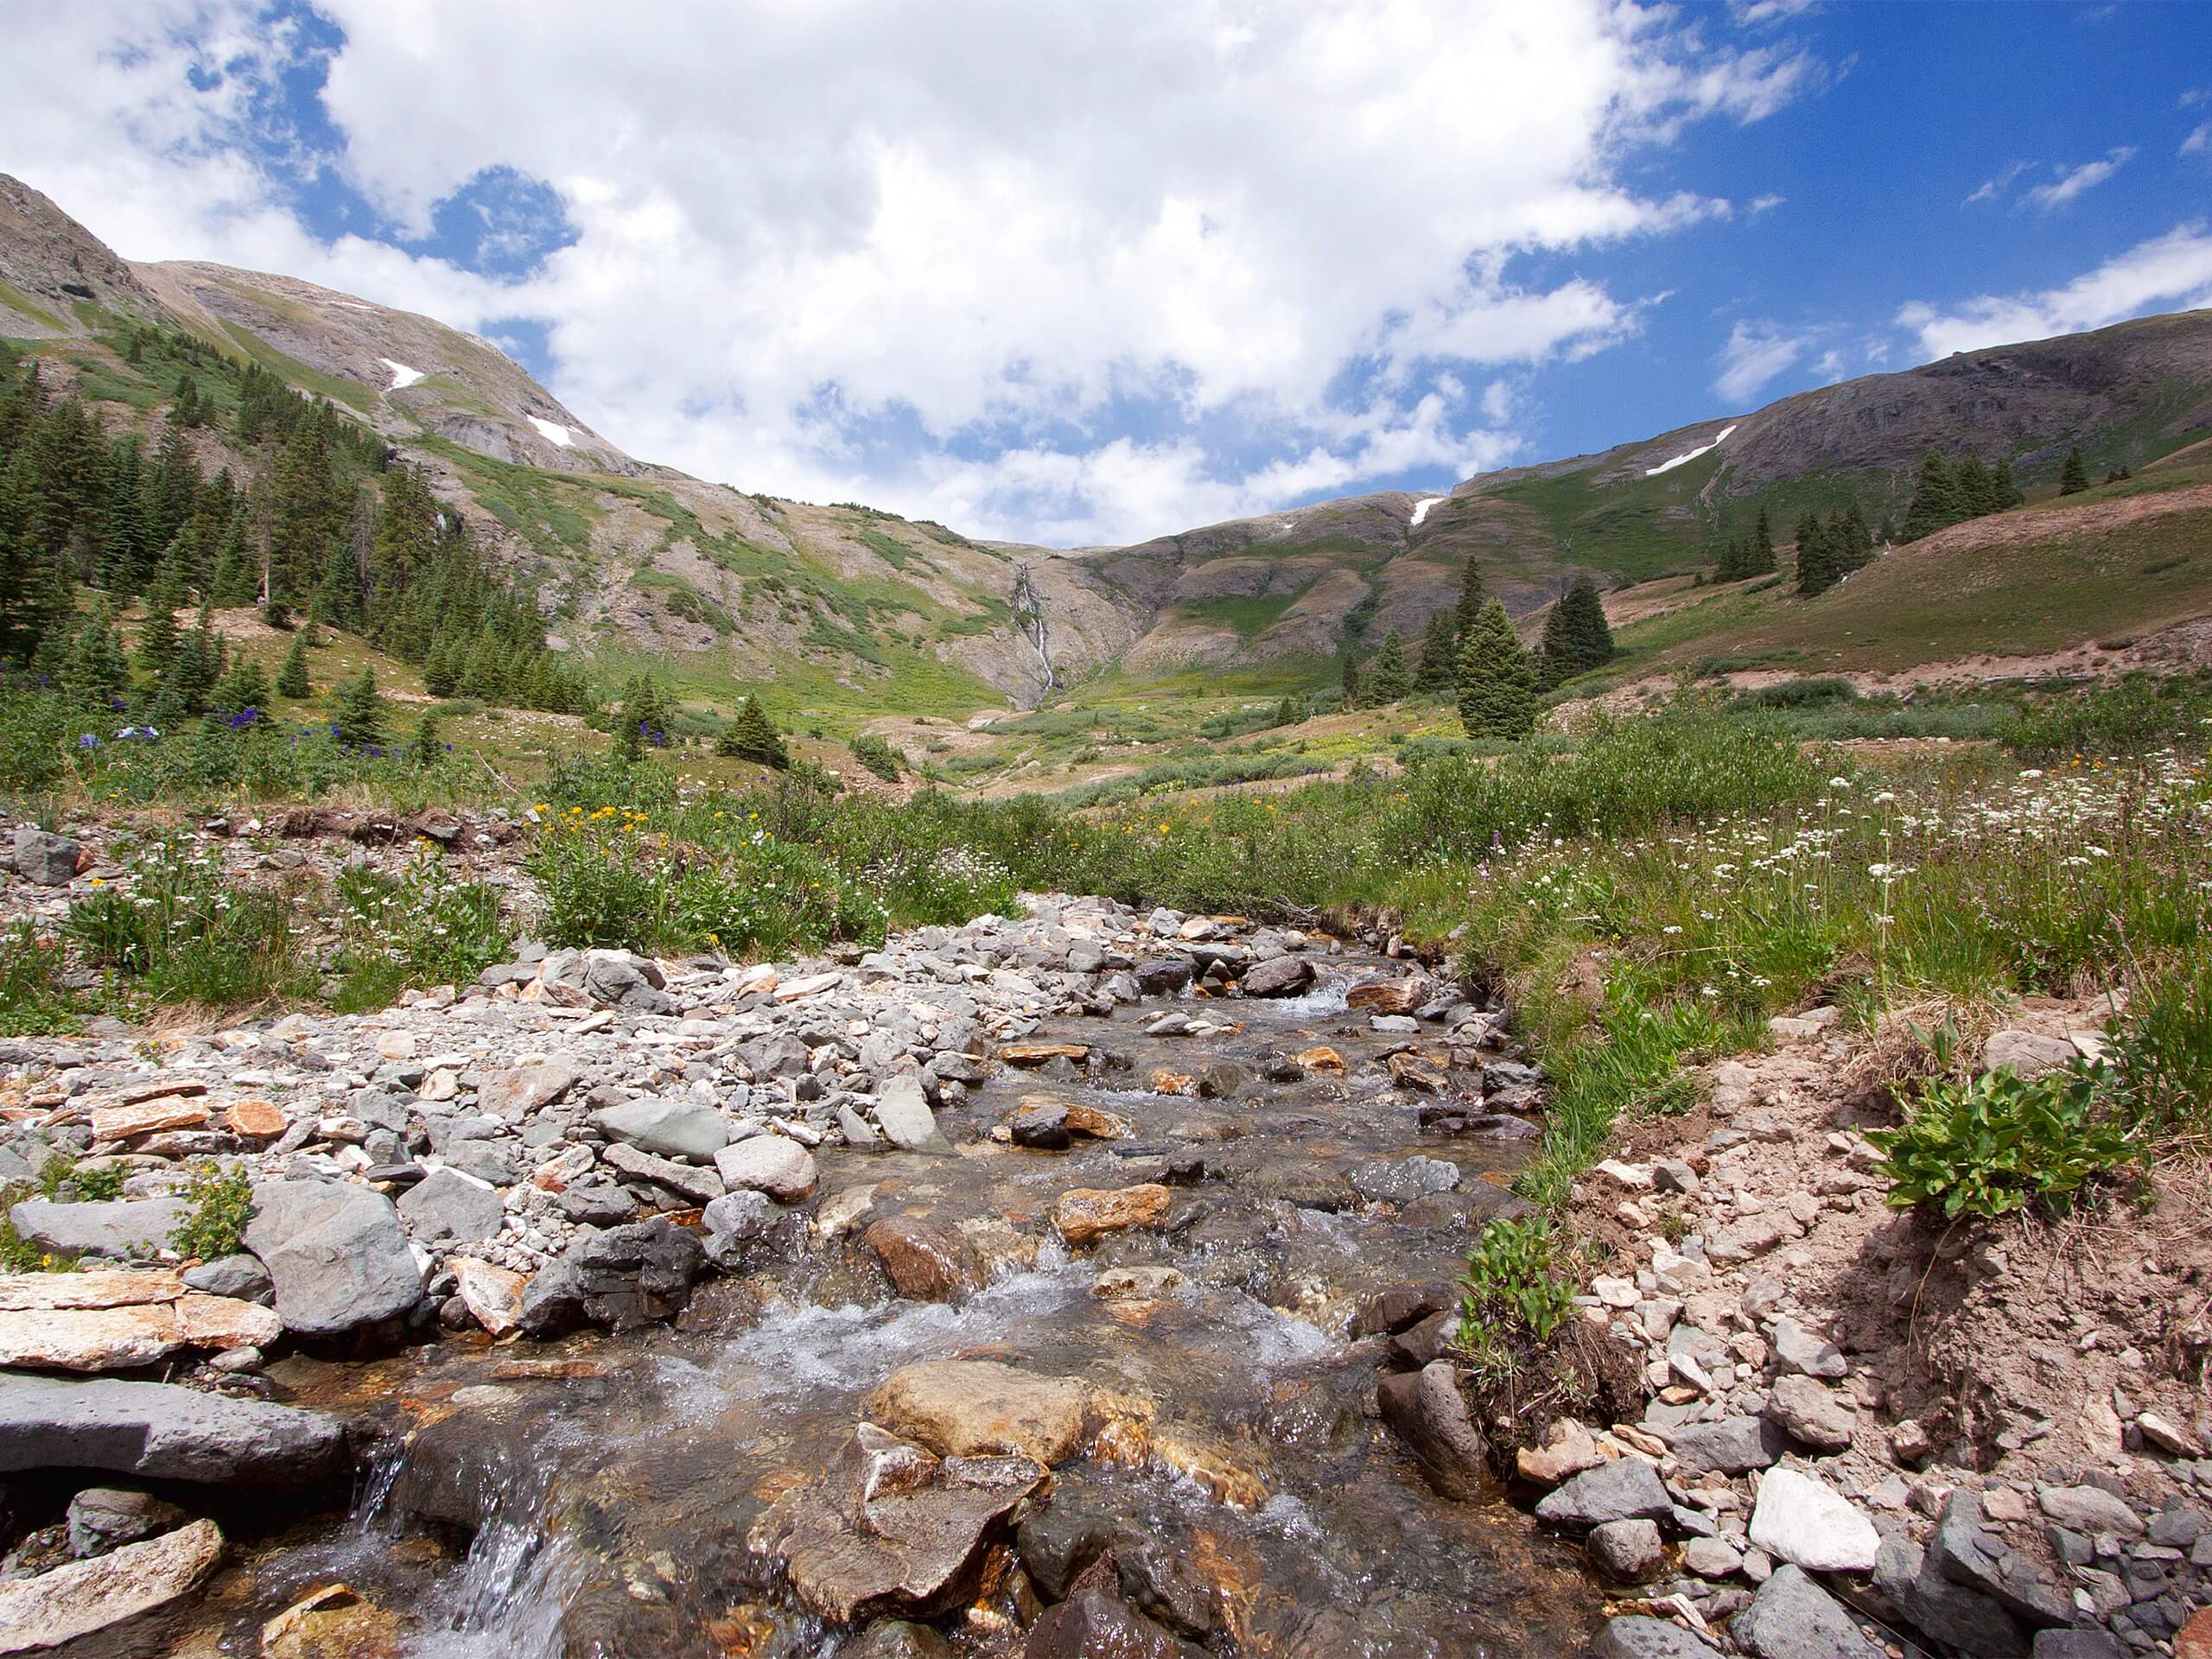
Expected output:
(1081, 274)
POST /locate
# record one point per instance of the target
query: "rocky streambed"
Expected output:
(1035, 1287)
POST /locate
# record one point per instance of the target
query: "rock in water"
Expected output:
(74, 1600)
(337, 1253)
(1430, 1415)
(1095, 1622)
(100, 1518)
(889, 1529)
(1283, 976)
(1800, 1519)
(902, 1112)
(971, 1408)
(164, 1432)
(927, 1260)
(1626, 1552)
(768, 1163)
(331, 1622)
(1792, 1617)
(1085, 1215)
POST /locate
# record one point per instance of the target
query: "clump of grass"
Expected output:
(2162, 1052)
(418, 928)
(33, 1002)
(179, 930)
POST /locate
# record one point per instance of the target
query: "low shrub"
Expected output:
(1993, 1144)
(221, 1202)
(418, 928)
(1515, 1293)
(179, 930)
(32, 1000)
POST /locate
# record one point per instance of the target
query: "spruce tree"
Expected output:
(1577, 637)
(292, 679)
(1936, 504)
(1816, 565)
(426, 748)
(1761, 560)
(1391, 680)
(159, 637)
(1856, 541)
(644, 717)
(751, 735)
(1977, 489)
(2075, 477)
(96, 673)
(1348, 679)
(245, 686)
(1497, 682)
(1439, 655)
(1469, 608)
(358, 711)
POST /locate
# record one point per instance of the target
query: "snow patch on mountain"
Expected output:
(554, 432)
(1420, 510)
(401, 376)
(1669, 465)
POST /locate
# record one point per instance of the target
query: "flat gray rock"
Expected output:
(1732, 1445)
(902, 1112)
(1638, 1637)
(83, 1596)
(670, 1128)
(162, 1431)
(122, 1227)
(1954, 1614)
(1627, 1489)
(1282, 976)
(1792, 1617)
(44, 857)
(446, 1207)
(337, 1254)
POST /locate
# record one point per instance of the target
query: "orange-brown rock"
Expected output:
(1315, 1061)
(1165, 1082)
(1388, 996)
(122, 1122)
(1098, 1124)
(1042, 1053)
(979, 1408)
(255, 1120)
(115, 1321)
(1084, 1214)
(1410, 1071)
(926, 1260)
(331, 1622)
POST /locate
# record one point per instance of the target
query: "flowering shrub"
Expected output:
(176, 931)
(418, 928)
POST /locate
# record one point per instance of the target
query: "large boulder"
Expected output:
(1627, 1489)
(161, 1431)
(1430, 1415)
(449, 1207)
(1954, 1614)
(82, 1597)
(624, 1277)
(1282, 976)
(44, 857)
(667, 1127)
(979, 1408)
(337, 1254)
(927, 1260)
(124, 1227)
(890, 1527)
(1802, 1519)
(1792, 1617)
(767, 1163)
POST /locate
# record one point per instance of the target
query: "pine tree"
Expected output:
(1816, 568)
(1391, 680)
(1439, 655)
(1936, 503)
(426, 748)
(644, 718)
(1577, 637)
(1977, 489)
(1857, 541)
(159, 637)
(1469, 608)
(97, 671)
(1497, 682)
(1759, 559)
(2075, 477)
(244, 687)
(1348, 679)
(751, 735)
(292, 679)
(358, 711)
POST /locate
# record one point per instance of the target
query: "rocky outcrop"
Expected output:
(162, 1431)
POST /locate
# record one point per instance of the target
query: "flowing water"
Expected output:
(593, 1497)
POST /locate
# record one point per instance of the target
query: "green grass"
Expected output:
(1247, 616)
(21, 303)
(294, 372)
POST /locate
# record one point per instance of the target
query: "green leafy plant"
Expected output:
(62, 1179)
(1988, 1146)
(420, 927)
(31, 1000)
(1515, 1293)
(221, 1201)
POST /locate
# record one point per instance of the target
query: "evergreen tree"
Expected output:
(1497, 682)
(1391, 680)
(442, 669)
(1857, 541)
(2075, 477)
(426, 748)
(1439, 655)
(96, 673)
(160, 637)
(1760, 560)
(1935, 502)
(751, 735)
(1469, 608)
(1818, 566)
(245, 686)
(1577, 637)
(292, 679)
(1977, 488)
(1348, 678)
(358, 710)
(644, 717)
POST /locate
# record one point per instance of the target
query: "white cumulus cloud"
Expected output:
(2074, 181)
(930, 256)
(2172, 272)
